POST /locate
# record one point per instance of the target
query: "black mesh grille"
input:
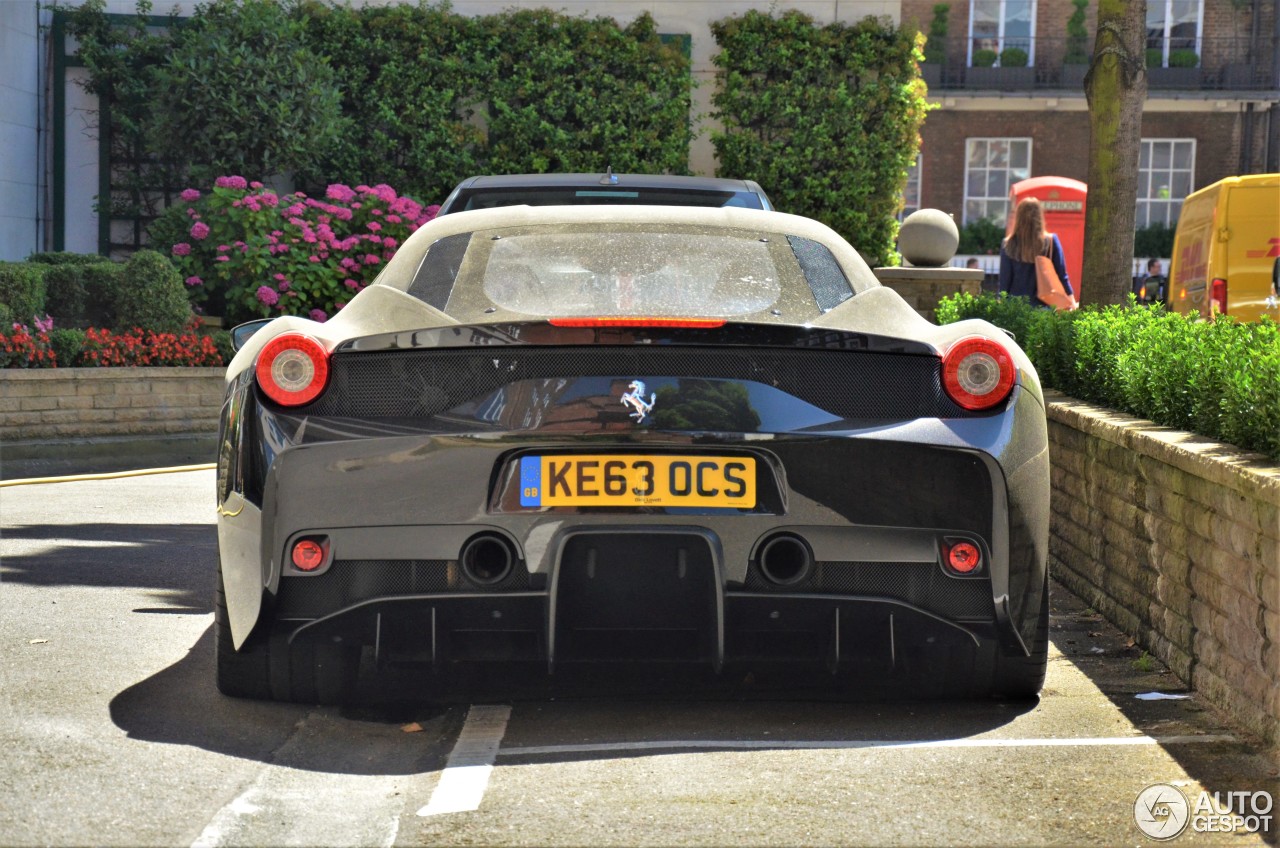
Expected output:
(922, 584)
(849, 384)
(349, 581)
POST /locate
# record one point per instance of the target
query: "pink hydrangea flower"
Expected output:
(231, 182)
(340, 193)
(319, 316)
(374, 226)
(370, 259)
(190, 194)
(313, 258)
(222, 259)
(389, 242)
(350, 283)
(181, 249)
(268, 296)
(283, 285)
(255, 185)
(43, 325)
(194, 281)
(199, 230)
(223, 248)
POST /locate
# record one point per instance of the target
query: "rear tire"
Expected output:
(1022, 677)
(268, 668)
(244, 673)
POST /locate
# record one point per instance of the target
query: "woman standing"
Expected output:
(1019, 251)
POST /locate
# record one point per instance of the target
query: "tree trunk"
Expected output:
(1116, 88)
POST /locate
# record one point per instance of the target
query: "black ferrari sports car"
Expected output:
(563, 435)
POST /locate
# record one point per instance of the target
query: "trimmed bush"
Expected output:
(66, 258)
(152, 296)
(1220, 379)
(22, 291)
(981, 236)
(1013, 57)
(65, 296)
(984, 58)
(66, 344)
(102, 283)
(825, 118)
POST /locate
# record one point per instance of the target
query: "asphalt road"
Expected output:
(111, 731)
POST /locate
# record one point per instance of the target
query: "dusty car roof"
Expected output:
(642, 180)
(400, 270)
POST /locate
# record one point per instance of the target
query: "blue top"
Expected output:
(1019, 278)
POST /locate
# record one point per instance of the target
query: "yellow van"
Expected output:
(1226, 252)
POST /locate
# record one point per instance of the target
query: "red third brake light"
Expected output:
(977, 373)
(293, 369)
(637, 321)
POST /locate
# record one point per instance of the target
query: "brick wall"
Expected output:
(922, 288)
(78, 403)
(1177, 540)
(1060, 145)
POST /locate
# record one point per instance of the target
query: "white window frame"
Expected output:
(1000, 36)
(987, 198)
(1165, 38)
(914, 175)
(1172, 204)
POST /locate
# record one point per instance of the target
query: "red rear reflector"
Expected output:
(308, 555)
(293, 369)
(639, 321)
(1220, 295)
(964, 557)
(977, 373)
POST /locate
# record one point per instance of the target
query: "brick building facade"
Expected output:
(1019, 110)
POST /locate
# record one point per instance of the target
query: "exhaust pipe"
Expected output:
(486, 559)
(785, 560)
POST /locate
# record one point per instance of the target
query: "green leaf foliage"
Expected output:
(415, 96)
(1077, 35)
(581, 94)
(152, 297)
(982, 235)
(22, 291)
(825, 118)
(1219, 378)
(1155, 240)
(242, 92)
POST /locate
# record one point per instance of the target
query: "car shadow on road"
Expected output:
(645, 705)
(176, 560)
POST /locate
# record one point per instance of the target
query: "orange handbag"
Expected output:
(1048, 287)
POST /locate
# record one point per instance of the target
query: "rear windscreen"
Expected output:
(605, 195)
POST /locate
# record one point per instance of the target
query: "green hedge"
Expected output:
(1220, 379)
(80, 291)
(424, 96)
(826, 118)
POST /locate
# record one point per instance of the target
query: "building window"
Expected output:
(999, 25)
(1166, 174)
(911, 191)
(1173, 27)
(991, 166)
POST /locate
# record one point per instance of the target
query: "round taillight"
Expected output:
(293, 369)
(977, 373)
(964, 557)
(308, 555)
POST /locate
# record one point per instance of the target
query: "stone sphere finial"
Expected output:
(928, 238)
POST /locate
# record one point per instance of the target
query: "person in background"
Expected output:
(972, 264)
(1154, 284)
(1019, 251)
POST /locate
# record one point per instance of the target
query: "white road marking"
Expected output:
(466, 773)
(822, 744)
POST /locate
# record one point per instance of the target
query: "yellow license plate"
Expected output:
(638, 480)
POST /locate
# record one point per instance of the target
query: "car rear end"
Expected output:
(656, 488)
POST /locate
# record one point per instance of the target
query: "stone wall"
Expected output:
(1176, 539)
(43, 405)
(922, 288)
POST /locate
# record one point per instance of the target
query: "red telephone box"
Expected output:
(1063, 200)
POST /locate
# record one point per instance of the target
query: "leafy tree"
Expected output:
(826, 118)
(243, 93)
